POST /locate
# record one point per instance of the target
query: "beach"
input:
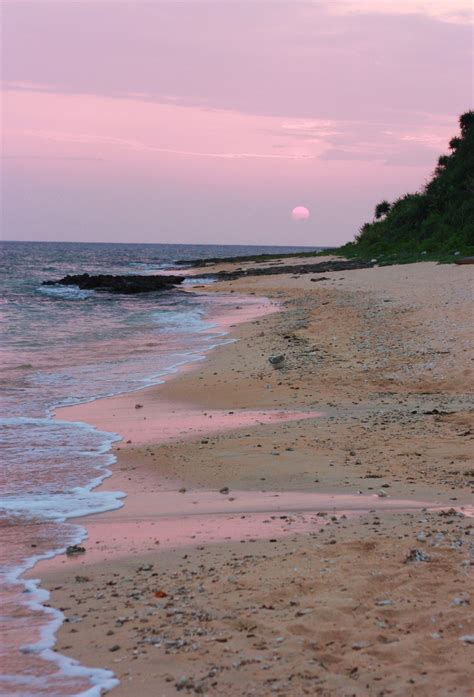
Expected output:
(304, 528)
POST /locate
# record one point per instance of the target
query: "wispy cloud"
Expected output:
(29, 86)
(138, 146)
(52, 157)
(453, 11)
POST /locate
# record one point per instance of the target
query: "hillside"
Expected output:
(438, 220)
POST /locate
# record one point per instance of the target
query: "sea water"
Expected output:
(60, 346)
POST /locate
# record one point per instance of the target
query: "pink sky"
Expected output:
(209, 122)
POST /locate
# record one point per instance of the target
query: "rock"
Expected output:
(277, 360)
(465, 260)
(320, 267)
(82, 579)
(115, 647)
(145, 567)
(184, 683)
(467, 638)
(224, 490)
(71, 550)
(416, 555)
(128, 284)
(460, 601)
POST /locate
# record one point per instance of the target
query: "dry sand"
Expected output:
(335, 466)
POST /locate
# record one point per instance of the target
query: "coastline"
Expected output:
(317, 629)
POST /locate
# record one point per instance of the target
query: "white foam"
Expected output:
(35, 598)
(190, 321)
(60, 507)
(197, 280)
(65, 292)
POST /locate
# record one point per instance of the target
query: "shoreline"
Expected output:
(236, 379)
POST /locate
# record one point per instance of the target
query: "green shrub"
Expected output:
(439, 219)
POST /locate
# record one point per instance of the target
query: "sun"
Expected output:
(300, 213)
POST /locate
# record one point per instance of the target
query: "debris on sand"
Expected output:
(71, 550)
(416, 555)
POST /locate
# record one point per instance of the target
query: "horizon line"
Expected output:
(176, 244)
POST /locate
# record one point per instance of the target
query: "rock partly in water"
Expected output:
(71, 550)
(128, 284)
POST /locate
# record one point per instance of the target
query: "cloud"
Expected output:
(52, 157)
(452, 11)
(291, 59)
(139, 146)
(408, 157)
(387, 143)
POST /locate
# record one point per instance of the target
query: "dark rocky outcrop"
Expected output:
(464, 260)
(128, 284)
(255, 258)
(321, 267)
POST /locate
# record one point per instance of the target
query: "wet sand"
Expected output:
(301, 577)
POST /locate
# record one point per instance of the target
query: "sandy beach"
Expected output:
(300, 530)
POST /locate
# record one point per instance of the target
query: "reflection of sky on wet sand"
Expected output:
(167, 519)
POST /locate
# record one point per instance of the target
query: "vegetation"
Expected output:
(436, 222)
(382, 209)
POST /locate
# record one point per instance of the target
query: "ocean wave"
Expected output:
(188, 321)
(65, 292)
(59, 507)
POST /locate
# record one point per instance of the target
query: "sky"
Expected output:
(208, 122)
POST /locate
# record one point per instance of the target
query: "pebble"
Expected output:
(416, 555)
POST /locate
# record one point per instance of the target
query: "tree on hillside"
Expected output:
(381, 209)
(443, 161)
(439, 218)
(466, 122)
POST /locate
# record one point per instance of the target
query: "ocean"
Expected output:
(60, 346)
